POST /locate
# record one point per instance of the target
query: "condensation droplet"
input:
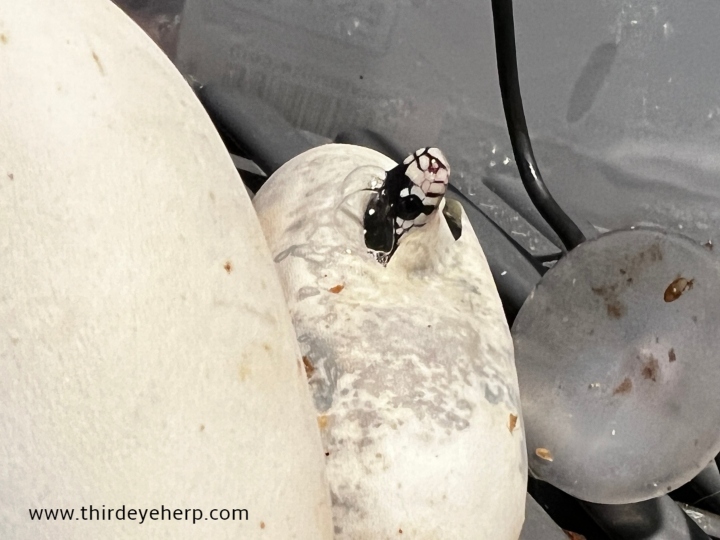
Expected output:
(667, 30)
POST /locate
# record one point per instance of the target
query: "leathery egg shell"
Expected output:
(146, 355)
(410, 365)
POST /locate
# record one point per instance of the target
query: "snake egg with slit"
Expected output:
(407, 351)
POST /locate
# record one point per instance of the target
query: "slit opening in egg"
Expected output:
(452, 212)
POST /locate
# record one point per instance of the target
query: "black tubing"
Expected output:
(566, 229)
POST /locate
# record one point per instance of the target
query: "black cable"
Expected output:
(549, 209)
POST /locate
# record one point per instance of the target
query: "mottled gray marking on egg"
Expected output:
(323, 382)
(307, 292)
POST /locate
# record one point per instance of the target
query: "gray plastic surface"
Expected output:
(538, 525)
(708, 522)
(706, 487)
(656, 519)
(620, 96)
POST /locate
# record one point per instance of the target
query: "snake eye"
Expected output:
(409, 195)
(410, 207)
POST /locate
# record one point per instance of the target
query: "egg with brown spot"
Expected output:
(138, 376)
(411, 354)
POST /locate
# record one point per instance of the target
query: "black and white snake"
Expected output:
(409, 195)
